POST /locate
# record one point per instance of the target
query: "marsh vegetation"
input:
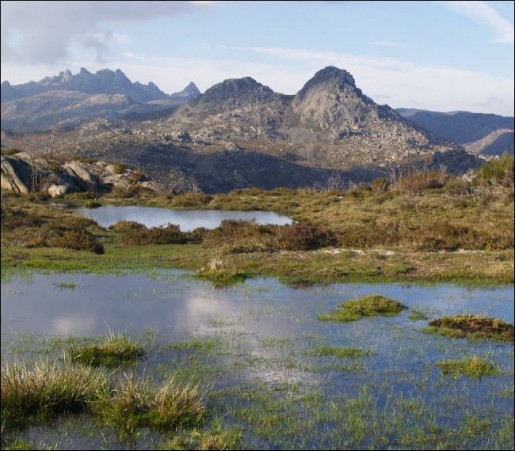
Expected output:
(105, 344)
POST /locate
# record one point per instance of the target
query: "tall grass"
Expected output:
(48, 390)
(136, 403)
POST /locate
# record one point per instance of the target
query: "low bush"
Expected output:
(303, 236)
(238, 236)
(79, 239)
(187, 200)
(169, 234)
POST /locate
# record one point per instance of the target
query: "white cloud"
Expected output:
(486, 14)
(44, 31)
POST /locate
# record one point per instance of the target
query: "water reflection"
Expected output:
(265, 335)
(187, 220)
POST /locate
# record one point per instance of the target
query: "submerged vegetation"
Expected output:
(474, 367)
(372, 305)
(472, 326)
(346, 390)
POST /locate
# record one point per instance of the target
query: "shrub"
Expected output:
(498, 170)
(78, 239)
(127, 226)
(241, 236)
(169, 234)
(303, 236)
(119, 168)
(187, 200)
(380, 185)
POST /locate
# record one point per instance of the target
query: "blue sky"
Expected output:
(441, 56)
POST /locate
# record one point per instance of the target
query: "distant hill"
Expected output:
(468, 129)
(67, 100)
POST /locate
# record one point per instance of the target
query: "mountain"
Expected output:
(487, 134)
(67, 100)
(241, 133)
(328, 123)
(103, 82)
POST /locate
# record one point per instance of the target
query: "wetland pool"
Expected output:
(187, 220)
(255, 345)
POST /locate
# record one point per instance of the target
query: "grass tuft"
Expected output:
(48, 390)
(372, 305)
(474, 367)
(138, 403)
(114, 351)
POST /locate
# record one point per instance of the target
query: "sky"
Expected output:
(439, 56)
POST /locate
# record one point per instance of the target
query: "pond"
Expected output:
(187, 220)
(255, 345)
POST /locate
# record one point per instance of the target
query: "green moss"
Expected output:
(473, 367)
(372, 305)
(472, 326)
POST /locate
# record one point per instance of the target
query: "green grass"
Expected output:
(340, 351)
(417, 316)
(66, 285)
(48, 390)
(115, 350)
(472, 326)
(138, 403)
(474, 367)
(195, 344)
(372, 305)
(215, 437)
(411, 226)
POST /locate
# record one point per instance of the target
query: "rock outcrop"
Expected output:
(23, 173)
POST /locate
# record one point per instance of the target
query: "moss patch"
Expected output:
(372, 305)
(472, 326)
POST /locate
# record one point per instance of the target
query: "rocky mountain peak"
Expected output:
(324, 78)
(237, 88)
(189, 92)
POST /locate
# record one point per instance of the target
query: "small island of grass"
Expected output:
(113, 351)
(474, 367)
(472, 326)
(372, 305)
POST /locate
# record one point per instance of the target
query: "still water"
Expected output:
(263, 335)
(187, 220)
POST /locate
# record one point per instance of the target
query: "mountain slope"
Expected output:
(468, 129)
(241, 133)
